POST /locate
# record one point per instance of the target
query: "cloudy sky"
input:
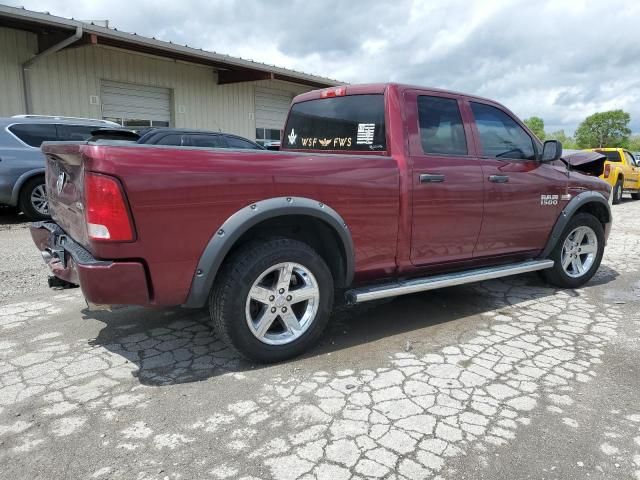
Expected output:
(560, 60)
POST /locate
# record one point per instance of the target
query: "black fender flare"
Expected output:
(237, 224)
(569, 210)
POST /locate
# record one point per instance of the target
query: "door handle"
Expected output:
(431, 178)
(499, 178)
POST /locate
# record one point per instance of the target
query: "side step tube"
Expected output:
(414, 285)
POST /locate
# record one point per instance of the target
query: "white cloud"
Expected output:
(558, 60)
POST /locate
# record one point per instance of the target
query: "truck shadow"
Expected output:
(173, 346)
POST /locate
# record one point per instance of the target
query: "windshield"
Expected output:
(354, 123)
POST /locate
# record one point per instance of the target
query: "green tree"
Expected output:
(634, 143)
(604, 129)
(536, 125)
(566, 140)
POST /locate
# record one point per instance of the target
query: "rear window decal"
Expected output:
(365, 133)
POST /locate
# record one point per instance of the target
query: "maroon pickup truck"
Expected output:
(378, 191)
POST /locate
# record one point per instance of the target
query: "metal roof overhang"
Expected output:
(51, 30)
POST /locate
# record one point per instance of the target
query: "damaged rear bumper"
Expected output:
(101, 281)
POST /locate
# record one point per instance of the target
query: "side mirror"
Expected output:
(552, 150)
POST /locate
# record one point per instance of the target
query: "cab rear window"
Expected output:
(353, 123)
(612, 155)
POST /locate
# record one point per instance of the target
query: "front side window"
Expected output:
(33, 134)
(235, 142)
(353, 123)
(500, 135)
(441, 128)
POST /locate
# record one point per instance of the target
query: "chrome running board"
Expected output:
(414, 285)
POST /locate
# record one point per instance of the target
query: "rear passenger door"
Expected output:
(446, 180)
(522, 196)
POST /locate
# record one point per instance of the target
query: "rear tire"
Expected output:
(33, 200)
(578, 253)
(617, 192)
(253, 307)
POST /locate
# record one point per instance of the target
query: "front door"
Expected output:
(522, 196)
(446, 180)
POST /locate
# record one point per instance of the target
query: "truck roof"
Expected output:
(380, 88)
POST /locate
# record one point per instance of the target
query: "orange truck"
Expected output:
(622, 172)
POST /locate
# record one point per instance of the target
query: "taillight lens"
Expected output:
(106, 209)
(607, 170)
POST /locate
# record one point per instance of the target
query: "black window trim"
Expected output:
(538, 153)
(459, 102)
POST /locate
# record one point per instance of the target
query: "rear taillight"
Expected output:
(106, 209)
(607, 170)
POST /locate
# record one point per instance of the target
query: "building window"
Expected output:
(267, 136)
(134, 123)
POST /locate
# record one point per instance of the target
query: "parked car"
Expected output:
(22, 163)
(378, 191)
(195, 138)
(621, 172)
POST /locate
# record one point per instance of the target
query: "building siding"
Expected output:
(62, 83)
(16, 47)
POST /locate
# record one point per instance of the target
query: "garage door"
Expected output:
(271, 112)
(135, 105)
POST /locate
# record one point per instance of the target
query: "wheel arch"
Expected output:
(586, 202)
(310, 221)
(22, 179)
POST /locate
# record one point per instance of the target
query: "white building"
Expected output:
(56, 66)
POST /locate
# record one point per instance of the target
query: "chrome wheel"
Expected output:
(39, 200)
(282, 303)
(579, 251)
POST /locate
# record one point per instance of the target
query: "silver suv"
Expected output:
(22, 162)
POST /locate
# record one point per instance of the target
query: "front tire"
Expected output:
(272, 300)
(617, 192)
(33, 200)
(578, 253)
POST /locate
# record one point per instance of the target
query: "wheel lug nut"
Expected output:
(273, 309)
(281, 290)
(284, 309)
(288, 298)
(272, 298)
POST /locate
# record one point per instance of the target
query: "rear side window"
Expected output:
(354, 123)
(441, 129)
(75, 133)
(612, 155)
(500, 135)
(33, 134)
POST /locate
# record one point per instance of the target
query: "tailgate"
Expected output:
(65, 186)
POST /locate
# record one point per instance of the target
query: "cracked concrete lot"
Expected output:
(505, 379)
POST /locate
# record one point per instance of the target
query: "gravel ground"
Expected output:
(505, 379)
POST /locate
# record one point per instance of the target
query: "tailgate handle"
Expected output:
(499, 178)
(431, 178)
